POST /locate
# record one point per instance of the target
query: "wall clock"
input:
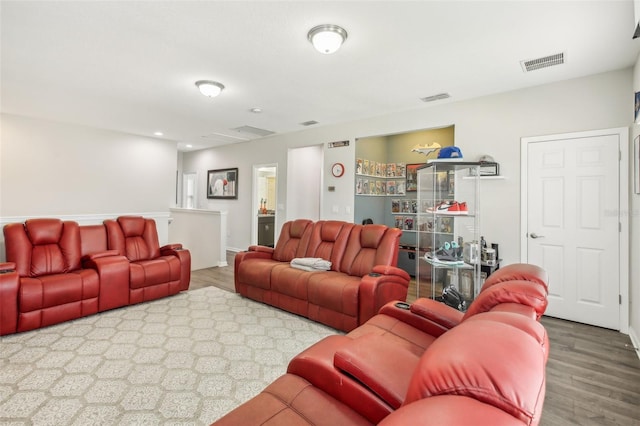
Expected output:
(337, 169)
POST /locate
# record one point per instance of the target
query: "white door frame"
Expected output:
(255, 204)
(623, 207)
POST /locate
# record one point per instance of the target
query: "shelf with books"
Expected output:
(380, 187)
(378, 169)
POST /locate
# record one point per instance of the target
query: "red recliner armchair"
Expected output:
(154, 271)
(49, 285)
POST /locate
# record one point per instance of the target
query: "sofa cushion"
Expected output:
(490, 361)
(328, 240)
(368, 246)
(257, 272)
(525, 293)
(147, 273)
(292, 401)
(397, 333)
(334, 291)
(293, 240)
(58, 289)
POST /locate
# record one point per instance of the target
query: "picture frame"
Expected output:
(222, 184)
(636, 104)
(412, 177)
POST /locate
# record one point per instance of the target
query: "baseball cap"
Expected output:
(450, 152)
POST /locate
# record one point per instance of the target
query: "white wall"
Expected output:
(489, 125)
(84, 174)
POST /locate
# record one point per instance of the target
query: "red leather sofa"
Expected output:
(57, 270)
(363, 275)
(422, 364)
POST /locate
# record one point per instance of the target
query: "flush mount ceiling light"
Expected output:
(209, 88)
(327, 38)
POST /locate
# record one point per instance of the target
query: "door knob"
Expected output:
(534, 235)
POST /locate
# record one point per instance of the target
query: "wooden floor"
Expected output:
(593, 374)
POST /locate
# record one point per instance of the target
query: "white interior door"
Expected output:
(573, 224)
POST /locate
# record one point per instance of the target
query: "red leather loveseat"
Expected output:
(57, 270)
(363, 275)
(422, 364)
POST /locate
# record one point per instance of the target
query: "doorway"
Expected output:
(304, 182)
(265, 184)
(189, 190)
(574, 191)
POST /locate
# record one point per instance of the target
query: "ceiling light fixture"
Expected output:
(327, 38)
(209, 88)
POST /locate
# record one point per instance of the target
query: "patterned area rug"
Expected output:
(186, 359)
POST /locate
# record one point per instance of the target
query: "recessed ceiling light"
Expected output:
(158, 133)
(189, 145)
(209, 88)
(256, 110)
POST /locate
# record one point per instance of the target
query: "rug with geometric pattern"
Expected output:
(183, 360)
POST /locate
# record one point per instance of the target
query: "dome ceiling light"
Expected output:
(209, 88)
(327, 38)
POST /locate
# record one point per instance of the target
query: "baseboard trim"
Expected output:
(634, 341)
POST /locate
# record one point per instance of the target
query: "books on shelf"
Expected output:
(368, 167)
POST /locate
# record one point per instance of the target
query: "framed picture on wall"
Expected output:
(222, 184)
(637, 107)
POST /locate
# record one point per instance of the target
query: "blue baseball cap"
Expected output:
(450, 152)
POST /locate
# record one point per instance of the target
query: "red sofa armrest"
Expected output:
(94, 256)
(427, 315)
(113, 276)
(262, 249)
(9, 285)
(384, 369)
(184, 256)
(174, 246)
(316, 365)
(384, 284)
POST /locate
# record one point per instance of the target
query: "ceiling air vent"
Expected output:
(435, 97)
(309, 123)
(545, 62)
(253, 131)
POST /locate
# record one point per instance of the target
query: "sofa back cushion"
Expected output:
(293, 240)
(328, 240)
(368, 246)
(43, 246)
(490, 361)
(93, 239)
(526, 293)
(134, 237)
(518, 272)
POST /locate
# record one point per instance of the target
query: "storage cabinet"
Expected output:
(266, 224)
(448, 229)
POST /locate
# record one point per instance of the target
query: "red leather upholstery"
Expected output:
(152, 274)
(59, 271)
(53, 288)
(488, 368)
(292, 401)
(489, 361)
(363, 275)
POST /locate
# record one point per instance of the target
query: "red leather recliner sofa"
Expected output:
(422, 364)
(58, 270)
(363, 275)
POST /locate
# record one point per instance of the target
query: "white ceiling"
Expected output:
(131, 66)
